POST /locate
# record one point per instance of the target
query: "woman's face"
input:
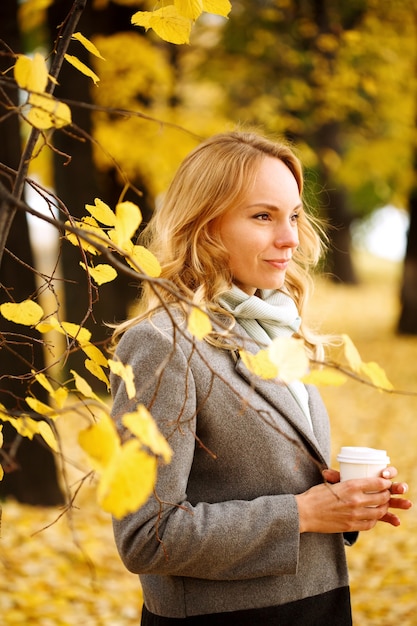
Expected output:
(261, 233)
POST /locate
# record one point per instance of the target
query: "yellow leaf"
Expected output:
(128, 481)
(27, 312)
(60, 396)
(82, 67)
(24, 425)
(49, 324)
(290, 357)
(128, 219)
(199, 323)
(40, 407)
(82, 335)
(83, 387)
(100, 441)
(324, 377)
(141, 257)
(101, 273)
(94, 353)
(88, 45)
(259, 364)
(218, 7)
(90, 227)
(102, 212)
(143, 426)
(27, 427)
(377, 375)
(351, 354)
(47, 434)
(97, 371)
(126, 374)
(31, 74)
(48, 112)
(191, 9)
(43, 381)
(166, 22)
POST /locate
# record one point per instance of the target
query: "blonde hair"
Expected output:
(210, 181)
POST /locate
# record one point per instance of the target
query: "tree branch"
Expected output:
(7, 208)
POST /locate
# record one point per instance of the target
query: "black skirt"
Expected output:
(326, 609)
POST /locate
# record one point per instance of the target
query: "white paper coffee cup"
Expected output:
(358, 462)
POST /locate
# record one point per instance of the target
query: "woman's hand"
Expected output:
(353, 505)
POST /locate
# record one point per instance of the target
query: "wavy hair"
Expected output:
(212, 179)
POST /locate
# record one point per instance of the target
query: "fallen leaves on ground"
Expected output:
(62, 576)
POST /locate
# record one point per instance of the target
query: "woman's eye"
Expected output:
(262, 216)
(295, 217)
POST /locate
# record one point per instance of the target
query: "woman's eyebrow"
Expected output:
(272, 207)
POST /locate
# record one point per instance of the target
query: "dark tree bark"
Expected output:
(335, 206)
(30, 470)
(78, 182)
(326, 139)
(407, 324)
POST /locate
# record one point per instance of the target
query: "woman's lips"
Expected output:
(280, 264)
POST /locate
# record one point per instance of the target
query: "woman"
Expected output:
(246, 523)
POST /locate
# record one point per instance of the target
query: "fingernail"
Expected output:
(405, 487)
(386, 474)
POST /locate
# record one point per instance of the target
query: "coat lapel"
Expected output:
(281, 399)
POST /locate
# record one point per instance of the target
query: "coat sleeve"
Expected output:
(228, 540)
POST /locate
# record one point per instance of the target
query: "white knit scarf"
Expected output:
(265, 317)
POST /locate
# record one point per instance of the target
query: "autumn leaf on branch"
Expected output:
(82, 67)
(25, 426)
(285, 359)
(31, 74)
(121, 225)
(173, 22)
(127, 472)
(88, 45)
(27, 312)
(347, 355)
(199, 323)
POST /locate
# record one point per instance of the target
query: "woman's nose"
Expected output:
(287, 237)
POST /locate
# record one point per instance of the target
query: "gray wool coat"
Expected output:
(221, 532)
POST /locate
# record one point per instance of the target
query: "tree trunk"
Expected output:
(78, 182)
(407, 324)
(327, 141)
(335, 206)
(30, 470)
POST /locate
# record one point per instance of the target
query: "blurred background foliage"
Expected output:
(336, 79)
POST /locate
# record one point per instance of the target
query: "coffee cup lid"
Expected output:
(358, 454)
